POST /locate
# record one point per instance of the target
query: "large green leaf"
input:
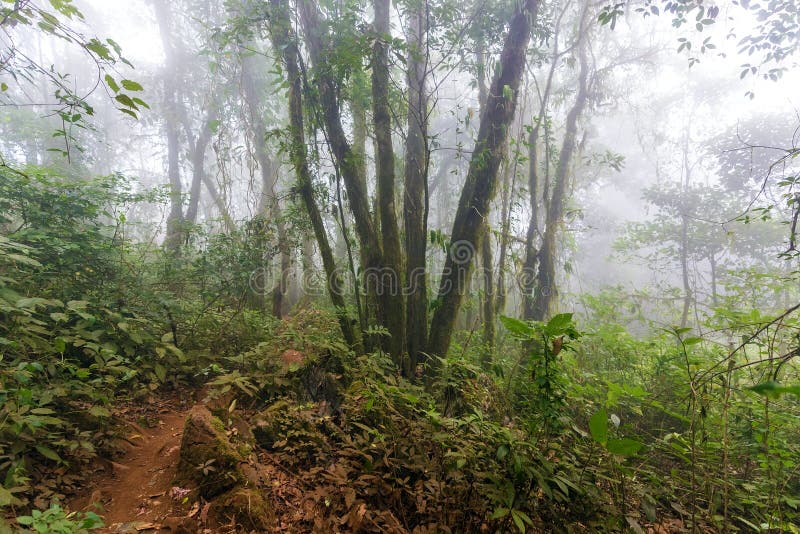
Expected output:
(598, 426)
(559, 323)
(624, 446)
(48, 453)
(774, 389)
(518, 327)
(161, 372)
(131, 85)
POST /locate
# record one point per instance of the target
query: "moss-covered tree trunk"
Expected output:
(197, 149)
(391, 297)
(481, 182)
(415, 199)
(283, 40)
(546, 291)
(268, 204)
(175, 223)
(382, 280)
(489, 312)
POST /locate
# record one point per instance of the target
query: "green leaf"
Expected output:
(99, 49)
(624, 447)
(48, 453)
(559, 323)
(112, 84)
(518, 327)
(161, 372)
(692, 340)
(20, 258)
(518, 516)
(99, 411)
(31, 302)
(77, 305)
(598, 426)
(500, 513)
(125, 100)
(25, 520)
(774, 389)
(502, 451)
(522, 515)
(130, 85)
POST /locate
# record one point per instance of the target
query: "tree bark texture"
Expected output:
(481, 182)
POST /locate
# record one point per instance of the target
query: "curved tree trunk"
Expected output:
(487, 271)
(283, 40)
(546, 290)
(481, 182)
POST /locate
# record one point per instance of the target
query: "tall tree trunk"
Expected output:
(283, 40)
(392, 300)
(488, 298)
(546, 290)
(382, 281)
(481, 182)
(487, 271)
(531, 254)
(360, 137)
(198, 148)
(687, 287)
(528, 277)
(269, 206)
(415, 200)
(219, 202)
(346, 160)
(175, 222)
(506, 210)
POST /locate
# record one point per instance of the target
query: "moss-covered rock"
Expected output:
(207, 457)
(272, 424)
(246, 507)
(291, 428)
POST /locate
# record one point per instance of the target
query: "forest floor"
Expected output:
(136, 493)
(139, 492)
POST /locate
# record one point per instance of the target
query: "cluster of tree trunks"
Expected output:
(390, 265)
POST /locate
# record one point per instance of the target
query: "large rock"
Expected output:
(291, 428)
(207, 458)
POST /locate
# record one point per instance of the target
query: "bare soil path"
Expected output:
(136, 494)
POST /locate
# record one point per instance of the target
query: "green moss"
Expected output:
(207, 458)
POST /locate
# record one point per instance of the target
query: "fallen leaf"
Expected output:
(195, 509)
(204, 514)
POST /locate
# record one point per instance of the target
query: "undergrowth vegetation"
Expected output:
(578, 422)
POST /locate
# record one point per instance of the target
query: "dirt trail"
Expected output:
(136, 493)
